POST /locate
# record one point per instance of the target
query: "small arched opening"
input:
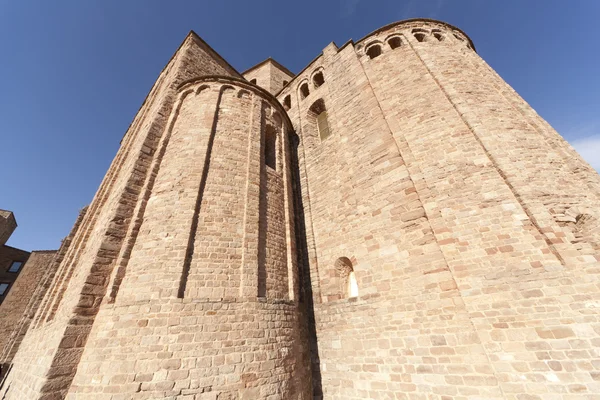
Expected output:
(285, 82)
(438, 35)
(345, 271)
(304, 92)
(318, 79)
(421, 37)
(287, 102)
(395, 42)
(253, 81)
(318, 111)
(374, 51)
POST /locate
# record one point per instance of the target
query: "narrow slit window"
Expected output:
(319, 113)
(271, 147)
(374, 51)
(3, 288)
(439, 37)
(287, 102)
(323, 125)
(352, 285)
(15, 266)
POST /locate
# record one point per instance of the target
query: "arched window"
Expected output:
(438, 35)
(374, 51)
(420, 34)
(395, 42)
(318, 79)
(304, 92)
(287, 102)
(420, 37)
(345, 271)
(253, 81)
(270, 147)
(318, 111)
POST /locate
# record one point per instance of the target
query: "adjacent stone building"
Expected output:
(20, 276)
(11, 259)
(393, 222)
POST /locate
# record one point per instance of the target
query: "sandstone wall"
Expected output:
(47, 362)
(8, 255)
(17, 300)
(269, 75)
(465, 265)
(7, 225)
(207, 307)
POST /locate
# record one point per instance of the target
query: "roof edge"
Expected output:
(270, 59)
(405, 21)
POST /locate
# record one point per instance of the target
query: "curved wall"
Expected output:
(451, 199)
(207, 304)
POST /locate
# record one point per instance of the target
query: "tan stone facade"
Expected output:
(20, 273)
(399, 225)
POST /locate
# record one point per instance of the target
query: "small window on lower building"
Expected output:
(253, 81)
(15, 266)
(3, 288)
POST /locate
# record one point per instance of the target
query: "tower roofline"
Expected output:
(194, 36)
(376, 31)
(273, 61)
(405, 21)
(241, 82)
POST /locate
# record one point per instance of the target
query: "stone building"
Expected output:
(20, 274)
(393, 222)
(11, 259)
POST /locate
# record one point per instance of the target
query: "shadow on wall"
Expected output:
(306, 294)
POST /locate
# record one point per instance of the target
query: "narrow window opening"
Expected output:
(439, 37)
(253, 81)
(318, 79)
(374, 51)
(15, 266)
(395, 42)
(304, 92)
(345, 272)
(320, 114)
(420, 37)
(270, 147)
(3, 288)
(352, 285)
(287, 102)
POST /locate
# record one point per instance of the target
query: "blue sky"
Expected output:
(74, 72)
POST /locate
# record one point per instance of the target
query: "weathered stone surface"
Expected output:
(401, 224)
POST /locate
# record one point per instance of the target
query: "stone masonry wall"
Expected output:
(463, 270)
(269, 76)
(8, 255)
(48, 359)
(7, 225)
(190, 318)
(17, 300)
